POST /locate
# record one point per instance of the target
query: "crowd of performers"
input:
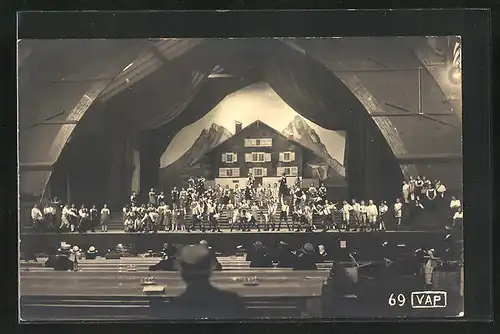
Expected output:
(250, 207)
(269, 207)
(56, 216)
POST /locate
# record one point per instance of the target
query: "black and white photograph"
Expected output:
(240, 178)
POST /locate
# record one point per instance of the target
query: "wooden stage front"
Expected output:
(367, 244)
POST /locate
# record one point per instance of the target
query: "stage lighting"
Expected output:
(455, 75)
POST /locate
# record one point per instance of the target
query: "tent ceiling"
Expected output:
(108, 71)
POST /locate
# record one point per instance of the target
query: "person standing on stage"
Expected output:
(73, 218)
(215, 222)
(308, 213)
(210, 215)
(254, 208)
(356, 210)
(48, 220)
(272, 208)
(411, 188)
(284, 215)
(133, 198)
(251, 221)
(327, 216)
(419, 184)
(275, 191)
(382, 210)
(362, 214)
(406, 192)
(440, 188)
(346, 215)
(174, 220)
(37, 218)
(175, 197)
(93, 215)
(455, 204)
(372, 214)
(84, 218)
(283, 188)
(105, 216)
(398, 212)
(235, 218)
(152, 197)
(161, 198)
(229, 210)
(65, 218)
(322, 192)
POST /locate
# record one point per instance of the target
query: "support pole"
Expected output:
(420, 90)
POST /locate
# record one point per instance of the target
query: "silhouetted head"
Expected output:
(195, 264)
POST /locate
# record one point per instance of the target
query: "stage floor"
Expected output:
(223, 231)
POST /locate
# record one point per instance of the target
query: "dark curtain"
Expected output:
(372, 170)
(313, 91)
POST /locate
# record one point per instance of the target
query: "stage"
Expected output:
(368, 245)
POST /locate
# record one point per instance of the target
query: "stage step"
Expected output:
(142, 264)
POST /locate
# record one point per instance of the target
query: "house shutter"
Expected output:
(292, 156)
(294, 171)
(222, 172)
(264, 171)
(282, 156)
(235, 157)
(248, 157)
(248, 142)
(267, 157)
(223, 157)
(266, 142)
(236, 172)
(279, 171)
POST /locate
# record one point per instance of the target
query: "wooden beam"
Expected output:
(35, 166)
(65, 122)
(429, 158)
(395, 114)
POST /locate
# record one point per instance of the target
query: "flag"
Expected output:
(457, 55)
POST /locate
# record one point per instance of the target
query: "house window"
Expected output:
(289, 171)
(287, 156)
(259, 171)
(229, 158)
(259, 142)
(258, 157)
(229, 172)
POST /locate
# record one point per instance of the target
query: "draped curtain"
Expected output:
(314, 92)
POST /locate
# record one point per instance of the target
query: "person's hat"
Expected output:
(92, 249)
(64, 248)
(195, 259)
(258, 244)
(204, 242)
(75, 249)
(308, 248)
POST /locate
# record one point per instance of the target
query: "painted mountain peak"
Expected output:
(301, 132)
(185, 165)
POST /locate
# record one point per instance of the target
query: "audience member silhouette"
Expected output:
(306, 258)
(201, 300)
(60, 261)
(284, 256)
(169, 260)
(258, 256)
